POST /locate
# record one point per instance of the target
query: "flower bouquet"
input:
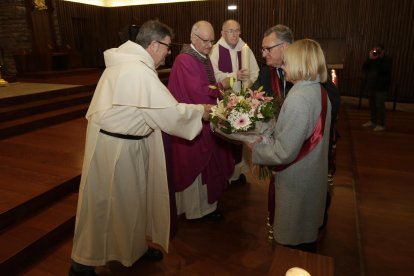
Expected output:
(245, 116)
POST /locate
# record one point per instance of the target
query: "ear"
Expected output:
(152, 46)
(192, 38)
(150, 49)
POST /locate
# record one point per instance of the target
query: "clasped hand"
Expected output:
(250, 145)
(243, 75)
(207, 110)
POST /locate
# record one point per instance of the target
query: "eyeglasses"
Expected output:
(232, 31)
(206, 41)
(165, 44)
(267, 49)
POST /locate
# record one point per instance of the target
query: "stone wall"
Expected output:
(16, 34)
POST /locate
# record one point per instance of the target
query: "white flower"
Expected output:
(239, 120)
(239, 111)
(218, 110)
(259, 113)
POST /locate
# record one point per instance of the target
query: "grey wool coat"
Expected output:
(301, 188)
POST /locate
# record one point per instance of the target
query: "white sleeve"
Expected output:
(182, 120)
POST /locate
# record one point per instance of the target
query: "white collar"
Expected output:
(192, 46)
(238, 46)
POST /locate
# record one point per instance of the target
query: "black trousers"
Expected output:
(377, 106)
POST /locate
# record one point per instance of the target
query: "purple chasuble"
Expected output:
(207, 154)
(224, 62)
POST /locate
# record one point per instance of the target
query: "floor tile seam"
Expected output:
(355, 200)
(363, 168)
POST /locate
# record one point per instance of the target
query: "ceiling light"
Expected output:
(121, 3)
(232, 7)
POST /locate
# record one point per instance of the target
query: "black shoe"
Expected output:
(153, 254)
(240, 181)
(72, 272)
(214, 216)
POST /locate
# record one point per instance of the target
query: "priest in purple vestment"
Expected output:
(200, 168)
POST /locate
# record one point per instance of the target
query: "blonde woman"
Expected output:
(298, 148)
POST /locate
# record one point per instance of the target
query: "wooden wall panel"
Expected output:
(358, 24)
(83, 27)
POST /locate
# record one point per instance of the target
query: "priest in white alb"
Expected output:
(231, 57)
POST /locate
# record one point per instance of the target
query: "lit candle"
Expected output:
(245, 56)
(333, 76)
(245, 59)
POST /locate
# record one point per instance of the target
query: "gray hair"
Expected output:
(284, 33)
(200, 24)
(152, 30)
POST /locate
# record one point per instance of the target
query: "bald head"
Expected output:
(202, 36)
(231, 32)
(230, 24)
(201, 26)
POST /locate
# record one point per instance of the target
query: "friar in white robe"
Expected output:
(123, 195)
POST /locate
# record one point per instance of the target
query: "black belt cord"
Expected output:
(124, 136)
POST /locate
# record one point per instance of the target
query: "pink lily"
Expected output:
(259, 95)
(232, 101)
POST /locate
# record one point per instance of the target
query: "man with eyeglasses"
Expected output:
(199, 168)
(123, 194)
(226, 59)
(271, 77)
(226, 56)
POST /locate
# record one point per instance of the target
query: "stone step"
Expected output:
(34, 200)
(28, 108)
(36, 121)
(24, 242)
(22, 98)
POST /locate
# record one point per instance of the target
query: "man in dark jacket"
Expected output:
(377, 70)
(271, 77)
